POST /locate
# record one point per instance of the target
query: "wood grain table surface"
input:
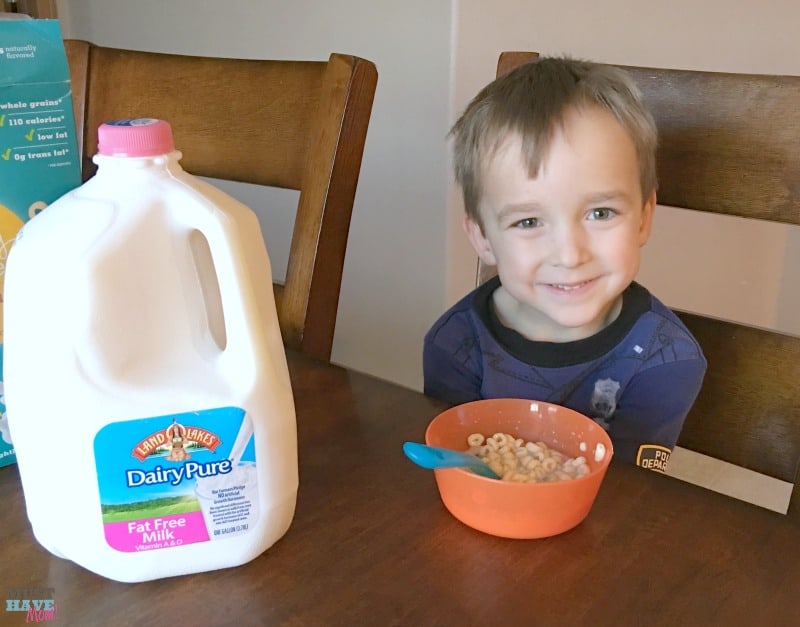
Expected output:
(372, 544)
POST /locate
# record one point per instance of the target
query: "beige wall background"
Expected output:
(407, 259)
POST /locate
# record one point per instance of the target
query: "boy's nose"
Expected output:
(570, 247)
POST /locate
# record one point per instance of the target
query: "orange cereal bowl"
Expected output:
(521, 510)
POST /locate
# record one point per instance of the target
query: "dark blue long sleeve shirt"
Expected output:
(638, 377)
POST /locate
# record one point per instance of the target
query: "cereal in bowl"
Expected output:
(514, 459)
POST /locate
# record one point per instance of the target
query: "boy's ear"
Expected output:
(647, 219)
(478, 241)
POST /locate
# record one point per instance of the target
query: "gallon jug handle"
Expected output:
(244, 277)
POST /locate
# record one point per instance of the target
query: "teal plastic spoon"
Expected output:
(433, 457)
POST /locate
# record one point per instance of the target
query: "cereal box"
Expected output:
(39, 159)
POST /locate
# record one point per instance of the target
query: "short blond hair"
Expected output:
(531, 101)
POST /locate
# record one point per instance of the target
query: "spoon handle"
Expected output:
(433, 457)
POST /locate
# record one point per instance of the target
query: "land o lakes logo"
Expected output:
(38, 604)
(176, 442)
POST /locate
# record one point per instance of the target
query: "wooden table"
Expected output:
(371, 544)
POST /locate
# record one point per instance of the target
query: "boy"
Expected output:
(556, 162)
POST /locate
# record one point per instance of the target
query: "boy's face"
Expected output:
(567, 242)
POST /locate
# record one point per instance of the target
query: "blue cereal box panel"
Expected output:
(39, 160)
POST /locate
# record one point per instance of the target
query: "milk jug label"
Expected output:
(177, 479)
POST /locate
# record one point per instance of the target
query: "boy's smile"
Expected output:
(566, 241)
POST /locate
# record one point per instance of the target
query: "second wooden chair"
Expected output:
(728, 145)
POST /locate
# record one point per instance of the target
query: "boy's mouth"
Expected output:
(569, 287)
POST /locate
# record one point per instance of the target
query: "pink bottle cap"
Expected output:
(135, 137)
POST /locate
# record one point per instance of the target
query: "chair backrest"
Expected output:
(297, 125)
(728, 144)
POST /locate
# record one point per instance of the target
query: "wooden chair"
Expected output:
(297, 125)
(730, 144)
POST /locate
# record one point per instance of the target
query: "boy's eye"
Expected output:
(528, 223)
(602, 213)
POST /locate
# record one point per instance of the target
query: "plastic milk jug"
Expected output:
(146, 381)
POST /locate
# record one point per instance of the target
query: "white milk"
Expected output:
(145, 377)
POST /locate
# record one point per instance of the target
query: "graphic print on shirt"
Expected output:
(604, 401)
(501, 363)
(653, 456)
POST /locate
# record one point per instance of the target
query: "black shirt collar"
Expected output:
(635, 302)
